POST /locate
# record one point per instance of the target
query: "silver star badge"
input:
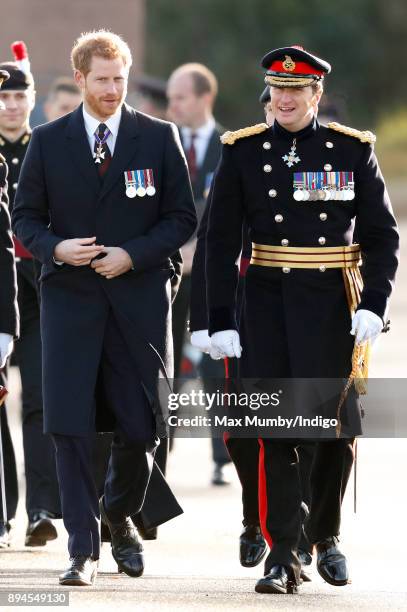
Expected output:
(99, 155)
(292, 157)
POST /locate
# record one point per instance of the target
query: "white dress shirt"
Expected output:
(202, 137)
(92, 125)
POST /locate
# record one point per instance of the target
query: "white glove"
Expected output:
(201, 340)
(366, 325)
(6, 347)
(225, 344)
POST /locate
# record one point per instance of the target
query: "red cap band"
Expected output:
(300, 68)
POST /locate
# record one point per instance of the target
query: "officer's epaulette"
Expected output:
(365, 136)
(231, 137)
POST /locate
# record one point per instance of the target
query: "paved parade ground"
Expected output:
(194, 563)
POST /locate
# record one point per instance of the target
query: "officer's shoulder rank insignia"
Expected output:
(231, 137)
(365, 136)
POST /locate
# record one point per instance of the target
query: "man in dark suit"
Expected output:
(192, 89)
(104, 200)
(9, 322)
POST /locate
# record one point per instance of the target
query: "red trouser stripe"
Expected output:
(263, 496)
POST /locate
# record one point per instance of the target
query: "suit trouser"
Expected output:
(180, 311)
(280, 496)
(131, 457)
(212, 373)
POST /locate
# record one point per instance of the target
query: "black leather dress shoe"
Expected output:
(146, 534)
(4, 535)
(331, 563)
(305, 560)
(252, 547)
(82, 572)
(40, 529)
(276, 581)
(218, 477)
(127, 549)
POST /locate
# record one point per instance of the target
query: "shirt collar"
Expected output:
(204, 131)
(92, 124)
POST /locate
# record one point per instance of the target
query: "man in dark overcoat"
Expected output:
(103, 202)
(300, 186)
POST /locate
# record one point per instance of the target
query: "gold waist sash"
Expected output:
(306, 257)
(348, 258)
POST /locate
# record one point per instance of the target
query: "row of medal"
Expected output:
(311, 186)
(139, 183)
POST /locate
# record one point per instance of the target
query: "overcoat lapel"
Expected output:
(124, 150)
(81, 154)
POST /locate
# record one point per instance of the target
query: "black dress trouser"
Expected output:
(280, 496)
(131, 458)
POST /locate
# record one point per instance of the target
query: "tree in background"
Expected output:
(365, 40)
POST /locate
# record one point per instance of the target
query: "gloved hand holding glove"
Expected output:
(200, 339)
(6, 347)
(366, 325)
(225, 344)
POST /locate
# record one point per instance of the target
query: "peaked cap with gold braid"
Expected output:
(231, 137)
(293, 67)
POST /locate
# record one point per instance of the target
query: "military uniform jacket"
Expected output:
(61, 196)
(296, 322)
(14, 153)
(9, 320)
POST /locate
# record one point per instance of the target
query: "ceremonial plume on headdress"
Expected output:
(19, 49)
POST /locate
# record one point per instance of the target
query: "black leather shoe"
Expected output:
(305, 560)
(4, 535)
(331, 563)
(253, 546)
(218, 477)
(276, 581)
(82, 572)
(146, 534)
(104, 533)
(40, 529)
(127, 550)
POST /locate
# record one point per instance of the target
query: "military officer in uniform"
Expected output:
(9, 329)
(103, 202)
(42, 496)
(300, 186)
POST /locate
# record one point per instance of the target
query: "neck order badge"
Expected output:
(139, 183)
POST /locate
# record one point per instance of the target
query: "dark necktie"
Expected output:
(102, 155)
(191, 158)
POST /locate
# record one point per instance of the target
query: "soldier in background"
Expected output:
(63, 97)
(150, 96)
(9, 330)
(42, 495)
